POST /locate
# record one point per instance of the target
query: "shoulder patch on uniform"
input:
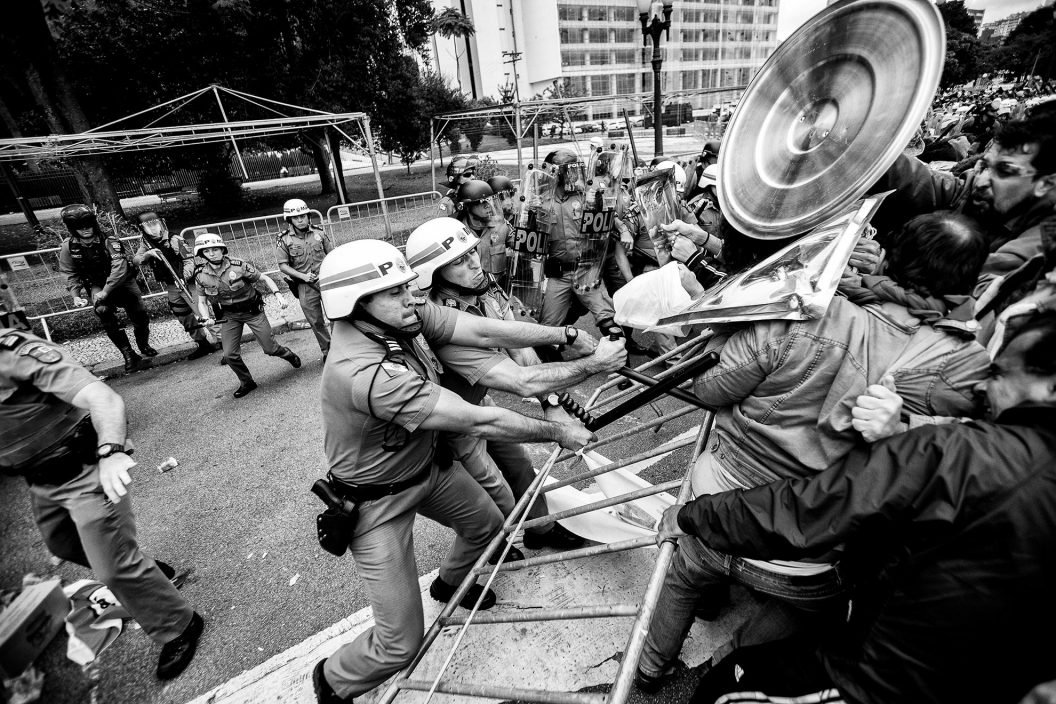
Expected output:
(442, 208)
(236, 262)
(451, 303)
(116, 246)
(12, 340)
(41, 352)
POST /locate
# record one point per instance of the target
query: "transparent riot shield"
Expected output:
(531, 229)
(657, 202)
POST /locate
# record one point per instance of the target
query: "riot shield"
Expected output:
(532, 221)
(657, 201)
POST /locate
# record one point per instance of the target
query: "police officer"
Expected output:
(382, 410)
(573, 264)
(98, 268)
(459, 170)
(477, 211)
(64, 431)
(226, 285)
(300, 250)
(168, 257)
(445, 256)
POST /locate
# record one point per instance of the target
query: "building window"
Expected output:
(598, 14)
(625, 84)
(626, 56)
(570, 12)
(623, 35)
(603, 115)
(573, 58)
(601, 85)
(626, 14)
(647, 82)
(577, 85)
(600, 58)
(598, 36)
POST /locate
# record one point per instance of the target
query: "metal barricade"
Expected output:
(442, 678)
(41, 287)
(252, 239)
(366, 220)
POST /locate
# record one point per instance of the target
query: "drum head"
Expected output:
(828, 114)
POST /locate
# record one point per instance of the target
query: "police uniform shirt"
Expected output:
(233, 283)
(38, 382)
(566, 242)
(370, 399)
(304, 254)
(96, 264)
(464, 366)
(446, 207)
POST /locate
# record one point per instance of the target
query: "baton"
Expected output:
(630, 135)
(184, 291)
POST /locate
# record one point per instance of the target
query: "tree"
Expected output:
(439, 98)
(450, 23)
(32, 54)
(963, 48)
(1031, 47)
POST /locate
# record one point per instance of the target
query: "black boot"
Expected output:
(176, 654)
(244, 389)
(292, 358)
(132, 359)
(143, 342)
(204, 347)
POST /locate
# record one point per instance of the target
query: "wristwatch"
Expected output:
(571, 333)
(107, 449)
(550, 401)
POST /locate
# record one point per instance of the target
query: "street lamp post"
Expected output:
(650, 12)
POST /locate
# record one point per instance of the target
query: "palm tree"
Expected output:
(450, 23)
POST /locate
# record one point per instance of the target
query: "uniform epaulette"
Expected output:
(10, 339)
(236, 262)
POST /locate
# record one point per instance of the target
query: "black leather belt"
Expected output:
(67, 461)
(369, 492)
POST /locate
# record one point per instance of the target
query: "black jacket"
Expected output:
(952, 530)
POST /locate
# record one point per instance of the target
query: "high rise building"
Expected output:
(594, 48)
(997, 32)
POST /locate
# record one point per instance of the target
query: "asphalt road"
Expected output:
(236, 514)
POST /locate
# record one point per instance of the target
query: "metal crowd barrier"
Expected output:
(639, 609)
(41, 288)
(366, 220)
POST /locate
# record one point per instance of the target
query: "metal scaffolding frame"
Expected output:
(641, 611)
(112, 138)
(521, 116)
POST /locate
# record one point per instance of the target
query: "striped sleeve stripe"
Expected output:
(427, 255)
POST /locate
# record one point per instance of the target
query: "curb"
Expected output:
(114, 367)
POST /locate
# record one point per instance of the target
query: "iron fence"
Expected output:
(366, 220)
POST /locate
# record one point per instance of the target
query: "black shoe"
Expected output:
(649, 684)
(293, 359)
(148, 351)
(442, 591)
(514, 555)
(244, 389)
(557, 537)
(132, 359)
(177, 653)
(324, 693)
(170, 573)
(202, 350)
(223, 361)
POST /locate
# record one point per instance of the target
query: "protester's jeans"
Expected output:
(695, 574)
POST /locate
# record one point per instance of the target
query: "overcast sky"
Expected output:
(792, 13)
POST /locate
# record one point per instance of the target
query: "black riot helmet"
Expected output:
(568, 168)
(500, 184)
(152, 226)
(79, 216)
(473, 192)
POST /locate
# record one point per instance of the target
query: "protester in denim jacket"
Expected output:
(785, 390)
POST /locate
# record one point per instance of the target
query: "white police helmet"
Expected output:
(436, 243)
(207, 240)
(294, 207)
(680, 173)
(358, 269)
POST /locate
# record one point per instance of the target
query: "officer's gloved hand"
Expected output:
(609, 355)
(79, 302)
(583, 345)
(574, 435)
